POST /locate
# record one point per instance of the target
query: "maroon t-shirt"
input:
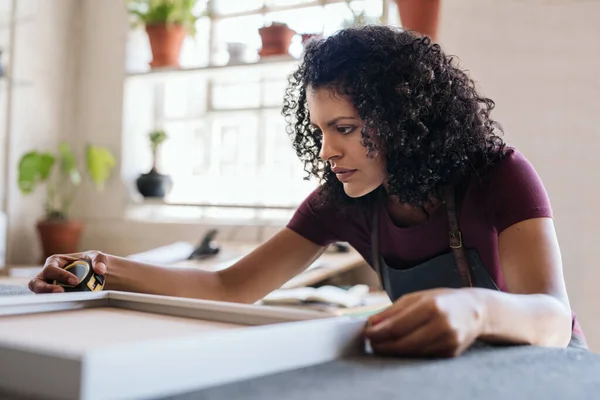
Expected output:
(509, 192)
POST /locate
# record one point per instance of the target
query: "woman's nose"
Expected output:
(329, 148)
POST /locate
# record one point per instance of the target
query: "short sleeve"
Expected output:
(313, 223)
(516, 192)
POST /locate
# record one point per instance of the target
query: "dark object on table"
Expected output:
(89, 281)
(207, 247)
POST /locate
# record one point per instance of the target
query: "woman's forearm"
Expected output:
(535, 319)
(132, 276)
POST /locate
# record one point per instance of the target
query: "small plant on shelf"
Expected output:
(359, 18)
(60, 172)
(154, 184)
(167, 22)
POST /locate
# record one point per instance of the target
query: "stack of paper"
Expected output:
(352, 297)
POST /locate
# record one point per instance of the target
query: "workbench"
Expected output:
(483, 372)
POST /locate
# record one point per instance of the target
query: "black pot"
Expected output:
(154, 184)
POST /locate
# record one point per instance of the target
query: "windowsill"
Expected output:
(174, 214)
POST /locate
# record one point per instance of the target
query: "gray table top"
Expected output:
(489, 373)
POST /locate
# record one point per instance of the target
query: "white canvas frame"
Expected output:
(158, 368)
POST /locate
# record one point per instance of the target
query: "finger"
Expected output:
(99, 262)
(401, 324)
(414, 343)
(52, 273)
(392, 310)
(60, 261)
(39, 286)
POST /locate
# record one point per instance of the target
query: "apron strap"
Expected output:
(375, 242)
(455, 238)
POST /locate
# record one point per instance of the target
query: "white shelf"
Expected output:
(265, 67)
(163, 202)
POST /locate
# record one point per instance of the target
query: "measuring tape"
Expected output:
(89, 281)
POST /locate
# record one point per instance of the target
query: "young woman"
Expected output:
(414, 176)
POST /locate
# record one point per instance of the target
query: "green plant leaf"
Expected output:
(46, 161)
(34, 167)
(68, 164)
(157, 137)
(100, 163)
(181, 12)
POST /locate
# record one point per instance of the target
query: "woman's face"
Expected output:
(337, 121)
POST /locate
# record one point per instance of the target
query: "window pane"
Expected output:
(179, 155)
(138, 53)
(236, 6)
(338, 16)
(302, 20)
(195, 50)
(235, 95)
(184, 97)
(237, 30)
(335, 16)
(281, 171)
(393, 14)
(273, 92)
(235, 138)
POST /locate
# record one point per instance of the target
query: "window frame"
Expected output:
(254, 211)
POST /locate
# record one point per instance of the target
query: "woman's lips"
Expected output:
(344, 174)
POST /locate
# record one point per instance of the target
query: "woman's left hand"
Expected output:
(437, 322)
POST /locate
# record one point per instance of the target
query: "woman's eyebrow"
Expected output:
(335, 120)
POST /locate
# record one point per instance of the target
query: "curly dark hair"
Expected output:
(427, 118)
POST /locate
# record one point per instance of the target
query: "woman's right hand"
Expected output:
(53, 270)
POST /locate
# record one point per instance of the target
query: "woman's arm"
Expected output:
(444, 322)
(536, 308)
(263, 270)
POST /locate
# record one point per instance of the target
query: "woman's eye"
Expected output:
(345, 130)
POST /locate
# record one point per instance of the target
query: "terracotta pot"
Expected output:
(276, 40)
(420, 16)
(59, 237)
(165, 43)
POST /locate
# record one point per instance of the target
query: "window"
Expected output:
(227, 142)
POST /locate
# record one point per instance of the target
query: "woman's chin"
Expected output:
(356, 191)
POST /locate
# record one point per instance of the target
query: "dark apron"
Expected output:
(455, 269)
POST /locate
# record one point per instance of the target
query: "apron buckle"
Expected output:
(455, 239)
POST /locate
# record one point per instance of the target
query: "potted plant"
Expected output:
(167, 22)
(154, 184)
(276, 39)
(359, 18)
(59, 171)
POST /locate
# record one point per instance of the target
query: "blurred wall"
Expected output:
(540, 62)
(44, 72)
